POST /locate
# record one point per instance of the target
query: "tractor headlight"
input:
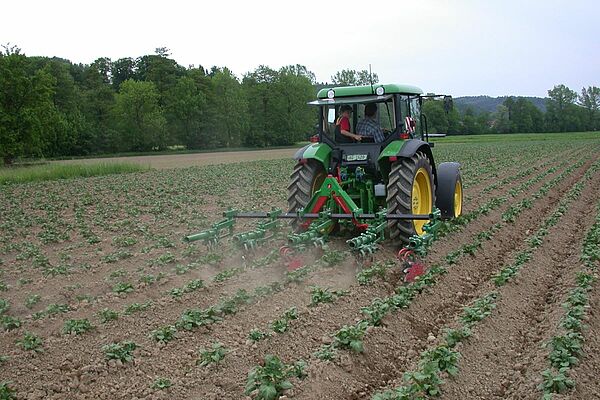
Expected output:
(380, 91)
(330, 94)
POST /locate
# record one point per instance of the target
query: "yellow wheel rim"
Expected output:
(422, 198)
(458, 198)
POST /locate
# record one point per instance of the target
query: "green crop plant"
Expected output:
(298, 369)
(213, 355)
(445, 358)
(164, 259)
(107, 314)
(6, 392)
(565, 349)
(379, 269)
(124, 241)
(556, 383)
(325, 353)
(194, 318)
(193, 285)
(480, 309)
(351, 337)
(319, 295)
(32, 300)
(77, 326)
(376, 311)
(227, 274)
(176, 293)
(137, 307)
(269, 381)
(454, 336)
(426, 381)
(161, 384)
(9, 323)
(334, 257)
(256, 335)
(123, 287)
(31, 342)
(164, 334)
(4, 306)
(122, 351)
(290, 314)
(280, 325)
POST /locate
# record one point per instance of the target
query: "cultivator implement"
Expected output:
(329, 207)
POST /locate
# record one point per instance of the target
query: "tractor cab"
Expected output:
(398, 117)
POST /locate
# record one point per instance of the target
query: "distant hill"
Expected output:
(486, 103)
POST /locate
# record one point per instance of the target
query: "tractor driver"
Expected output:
(342, 126)
(368, 126)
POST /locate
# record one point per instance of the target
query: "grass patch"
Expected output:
(517, 137)
(51, 172)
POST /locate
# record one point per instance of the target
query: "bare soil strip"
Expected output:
(391, 350)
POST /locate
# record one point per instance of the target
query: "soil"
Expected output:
(503, 359)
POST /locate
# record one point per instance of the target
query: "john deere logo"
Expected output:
(356, 157)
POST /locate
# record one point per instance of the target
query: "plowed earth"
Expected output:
(71, 243)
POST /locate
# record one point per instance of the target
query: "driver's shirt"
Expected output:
(345, 124)
(370, 128)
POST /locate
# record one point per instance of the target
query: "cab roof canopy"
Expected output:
(367, 90)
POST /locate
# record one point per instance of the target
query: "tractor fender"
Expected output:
(405, 149)
(316, 151)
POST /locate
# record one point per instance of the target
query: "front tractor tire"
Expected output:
(305, 180)
(410, 190)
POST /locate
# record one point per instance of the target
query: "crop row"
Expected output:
(443, 359)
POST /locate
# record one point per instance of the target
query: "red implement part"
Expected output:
(414, 270)
(316, 208)
(340, 201)
(295, 263)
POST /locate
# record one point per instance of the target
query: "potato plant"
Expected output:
(122, 351)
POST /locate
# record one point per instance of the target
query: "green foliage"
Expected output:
(479, 310)
(324, 295)
(139, 118)
(334, 257)
(255, 335)
(52, 172)
(6, 392)
(194, 318)
(365, 276)
(107, 315)
(9, 323)
(31, 342)
(454, 336)
(556, 383)
(164, 334)
(214, 355)
(269, 381)
(4, 306)
(350, 337)
(77, 326)
(376, 311)
(120, 351)
(32, 300)
(123, 287)
(161, 384)
(137, 307)
(445, 358)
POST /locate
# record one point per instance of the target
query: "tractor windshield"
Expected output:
(375, 115)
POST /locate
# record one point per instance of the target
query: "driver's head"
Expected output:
(345, 109)
(371, 109)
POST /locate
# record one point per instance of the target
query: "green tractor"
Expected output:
(382, 185)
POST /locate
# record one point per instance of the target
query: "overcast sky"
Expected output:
(458, 47)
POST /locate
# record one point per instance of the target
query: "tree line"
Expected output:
(566, 111)
(52, 107)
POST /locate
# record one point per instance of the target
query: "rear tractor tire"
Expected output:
(305, 180)
(410, 190)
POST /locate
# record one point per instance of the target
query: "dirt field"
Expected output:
(190, 160)
(76, 250)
